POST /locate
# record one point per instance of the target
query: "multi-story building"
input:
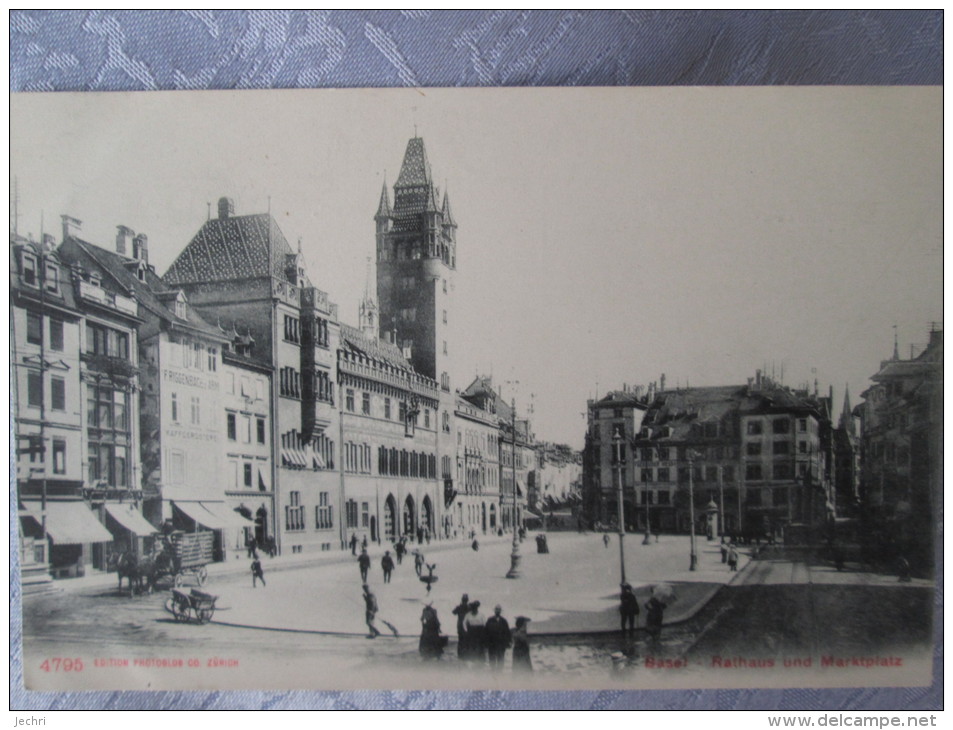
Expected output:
(474, 504)
(560, 475)
(902, 453)
(249, 466)
(240, 272)
(180, 412)
(59, 532)
(752, 458)
(388, 432)
(618, 413)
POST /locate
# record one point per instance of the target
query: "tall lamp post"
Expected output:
(514, 571)
(648, 524)
(693, 565)
(617, 468)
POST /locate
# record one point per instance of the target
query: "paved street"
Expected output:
(773, 608)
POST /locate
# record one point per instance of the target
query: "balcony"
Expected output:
(93, 293)
(109, 365)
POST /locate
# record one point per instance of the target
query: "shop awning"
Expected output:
(263, 479)
(317, 460)
(228, 517)
(130, 518)
(70, 523)
(293, 457)
(213, 515)
(520, 487)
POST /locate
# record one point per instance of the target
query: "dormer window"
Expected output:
(52, 278)
(141, 273)
(180, 309)
(29, 270)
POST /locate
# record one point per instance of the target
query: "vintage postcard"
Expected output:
(488, 388)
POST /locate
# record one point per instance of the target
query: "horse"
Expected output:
(141, 569)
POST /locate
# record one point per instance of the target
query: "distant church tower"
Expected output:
(416, 263)
(367, 313)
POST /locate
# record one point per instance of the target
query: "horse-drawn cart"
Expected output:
(191, 552)
(195, 605)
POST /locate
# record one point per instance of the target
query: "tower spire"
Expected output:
(383, 208)
(896, 348)
(846, 419)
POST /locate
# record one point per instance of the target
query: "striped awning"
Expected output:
(131, 518)
(70, 523)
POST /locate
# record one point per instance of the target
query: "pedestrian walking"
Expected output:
(420, 535)
(724, 550)
(521, 659)
(387, 565)
(475, 624)
(418, 562)
(628, 607)
(460, 611)
(364, 543)
(498, 638)
(257, 574)
(370, 612)
(252, 546)
(431, 642)
(353, 544)
(427, 535)
(605, 540)
(732, 557)
(399, 550)
(364, 562)
(475, 545)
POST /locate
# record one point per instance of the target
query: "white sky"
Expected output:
(605, 235)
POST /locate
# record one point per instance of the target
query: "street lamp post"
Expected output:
(721, 503)
(514, 571)
(693, 565)
(647, 540)
(617, 467)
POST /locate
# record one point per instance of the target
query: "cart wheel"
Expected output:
(202, 575)
(177, 611)
(178, 581)
(205, 615)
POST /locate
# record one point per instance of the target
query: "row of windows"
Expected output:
(292, 329)
(232, 421)
(51, 273)
(289, 382)
(35, 391)
(388, 411)
(351, 514)
(246, 387)
(109, 463)
(37, 453)
(107, 409)
(244, 477)
(357, 458)
(403, 463)
(106, 341)
(193, 355)
(295, 513)
(709, 474)
(34, 331)
(778, 426)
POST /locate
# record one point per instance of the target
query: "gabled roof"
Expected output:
(63, 297)
(236, 247)
(356, 341)
(620, 398)
(150, 294)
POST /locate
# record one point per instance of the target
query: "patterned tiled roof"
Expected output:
(237, 247)
(416, 169)
(383, 208)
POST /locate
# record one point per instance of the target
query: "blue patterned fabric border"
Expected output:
(204, 49)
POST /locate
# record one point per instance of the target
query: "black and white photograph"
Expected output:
(593, 388)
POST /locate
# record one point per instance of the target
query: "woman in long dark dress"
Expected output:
(431, 646)
(521, 660)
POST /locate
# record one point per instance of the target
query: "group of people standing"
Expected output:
(654, 610)
(481, 639)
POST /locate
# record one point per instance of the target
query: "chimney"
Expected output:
(226, 208)
(124, 240)
(49, 243)
(140, 248)
(70, 225)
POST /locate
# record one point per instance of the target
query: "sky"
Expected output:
(606, 236)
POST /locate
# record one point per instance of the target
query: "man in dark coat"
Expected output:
(353, 544)
(628, 607)
(461, 612)
(370, 612)
(387, 565)
(498, 638)
(364, 562)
